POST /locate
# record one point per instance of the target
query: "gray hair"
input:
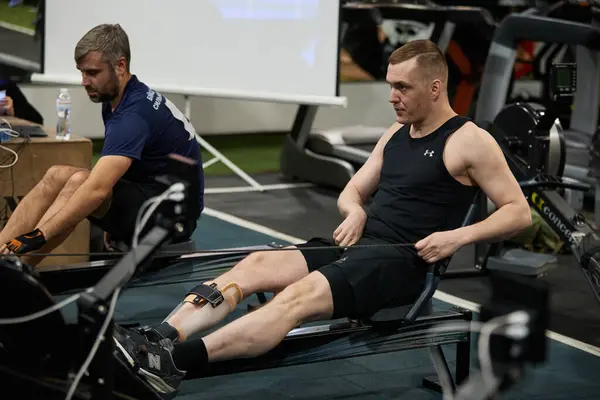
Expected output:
(109, 39)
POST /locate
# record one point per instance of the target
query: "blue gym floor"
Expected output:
(570, 373)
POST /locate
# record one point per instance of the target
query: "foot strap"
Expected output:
(157, 333)
(205, 293)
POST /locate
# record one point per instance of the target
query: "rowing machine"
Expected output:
(45, 365)
(534, 149)
(41, 368)
(76, 358)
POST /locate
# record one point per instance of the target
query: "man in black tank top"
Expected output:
(421, 177)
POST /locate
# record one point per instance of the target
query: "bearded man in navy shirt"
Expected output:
(142, 127)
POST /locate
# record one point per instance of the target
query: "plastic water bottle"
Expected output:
(63, 112)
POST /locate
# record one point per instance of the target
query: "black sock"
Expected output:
(190, 354)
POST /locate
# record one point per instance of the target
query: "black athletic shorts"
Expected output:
(365, 280)
(127, 198)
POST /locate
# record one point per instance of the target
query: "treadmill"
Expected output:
(498, 72)
(331, 157)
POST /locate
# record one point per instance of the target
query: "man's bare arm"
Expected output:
(487, 166)
(362, 185)
(89, 196)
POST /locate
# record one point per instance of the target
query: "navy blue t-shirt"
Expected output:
(147, 127)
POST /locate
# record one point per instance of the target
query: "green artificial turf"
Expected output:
(21, 15)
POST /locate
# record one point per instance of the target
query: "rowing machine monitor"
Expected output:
(512, 293)
(185, 171)
(563, 82)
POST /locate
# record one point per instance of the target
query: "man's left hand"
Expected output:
(438, 246)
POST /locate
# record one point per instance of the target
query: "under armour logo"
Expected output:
(342, 259)
(154, 361)
(429, 153)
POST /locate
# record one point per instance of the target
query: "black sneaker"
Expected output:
(152, 361)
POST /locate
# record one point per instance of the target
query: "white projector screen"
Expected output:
(270, 50)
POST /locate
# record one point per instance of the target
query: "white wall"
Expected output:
(367, 105)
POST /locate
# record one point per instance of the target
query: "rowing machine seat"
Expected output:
(398, 313)
(408, 313)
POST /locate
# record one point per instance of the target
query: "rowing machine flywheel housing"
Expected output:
(514, 129)
(31, 341)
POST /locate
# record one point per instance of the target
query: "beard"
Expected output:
(102, 97)
(109, 92)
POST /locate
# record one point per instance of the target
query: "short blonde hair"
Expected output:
(430, 58)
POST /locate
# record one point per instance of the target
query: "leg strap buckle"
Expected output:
(209, 293)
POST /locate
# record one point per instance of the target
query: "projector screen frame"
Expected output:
(64, 80)
(43, 5)
(42, 78)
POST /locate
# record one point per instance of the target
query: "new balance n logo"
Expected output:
(429, 153)
(154, 361)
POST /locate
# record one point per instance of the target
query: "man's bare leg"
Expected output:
(269, 271)
(256, 333)
(261, 271)
(36, 203)
(70, 187)
(163, 365)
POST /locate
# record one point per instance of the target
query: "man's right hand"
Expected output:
(351, 229)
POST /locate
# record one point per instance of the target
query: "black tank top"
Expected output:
(416, 195)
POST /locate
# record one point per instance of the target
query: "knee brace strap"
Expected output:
(206, 293)
(209, 293)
